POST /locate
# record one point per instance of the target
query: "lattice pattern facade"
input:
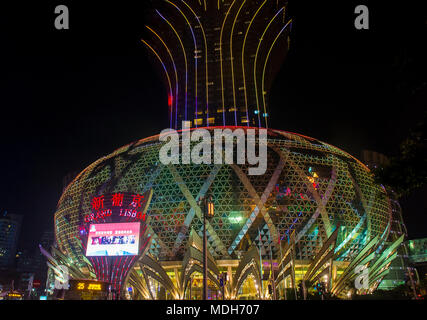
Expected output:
(310, 187)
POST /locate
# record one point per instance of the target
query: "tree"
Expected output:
(407, 170)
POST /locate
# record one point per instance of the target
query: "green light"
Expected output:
(235, 219)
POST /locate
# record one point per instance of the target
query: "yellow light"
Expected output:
(80, 286)
(195, 46)
(231, 52)
(243, 56)
(211, 120)
(206, 54)
(173, 63)
(265, 65)
(220, 54)
(164, 67)
(185, 55)
(94, 286)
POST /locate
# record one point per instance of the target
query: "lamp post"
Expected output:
(208, 212)
(273, 280)
(222, 278)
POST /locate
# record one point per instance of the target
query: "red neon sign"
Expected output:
(121, 204)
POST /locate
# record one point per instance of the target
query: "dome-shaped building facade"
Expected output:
(308, 190)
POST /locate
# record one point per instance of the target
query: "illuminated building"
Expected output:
(310, 187)
(218, 58)
(315, 215)
(10, 227)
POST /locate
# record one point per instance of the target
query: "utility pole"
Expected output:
(207, 212)
(205, 257)
(293, 281)
(222, 281)
(304, 291)
(260, 264)
(273, 276)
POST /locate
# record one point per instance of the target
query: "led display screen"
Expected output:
(113, 239)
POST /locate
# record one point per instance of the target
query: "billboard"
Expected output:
(113, 239)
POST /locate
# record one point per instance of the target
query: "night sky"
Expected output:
(70, 97)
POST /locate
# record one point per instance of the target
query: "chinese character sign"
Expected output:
(119, 204)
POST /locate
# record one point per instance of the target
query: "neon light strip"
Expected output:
(220, 59)
(263, 71)
(232, 67)
(117, 273)
(94, 267)
(256, 57)
(206, 61)
(351, 235)
(101, 272)
(98, 268)
(243, 61)
(195, 52)
(104, 268)
(107, 265)
(185, 60)
(167, 74)
(121, 273)
(176, 74)
(129, 264)
(292, 225)
(113, 269)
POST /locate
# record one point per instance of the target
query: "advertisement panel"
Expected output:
(113, 239)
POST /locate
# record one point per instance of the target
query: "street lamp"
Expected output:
(208, 212)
